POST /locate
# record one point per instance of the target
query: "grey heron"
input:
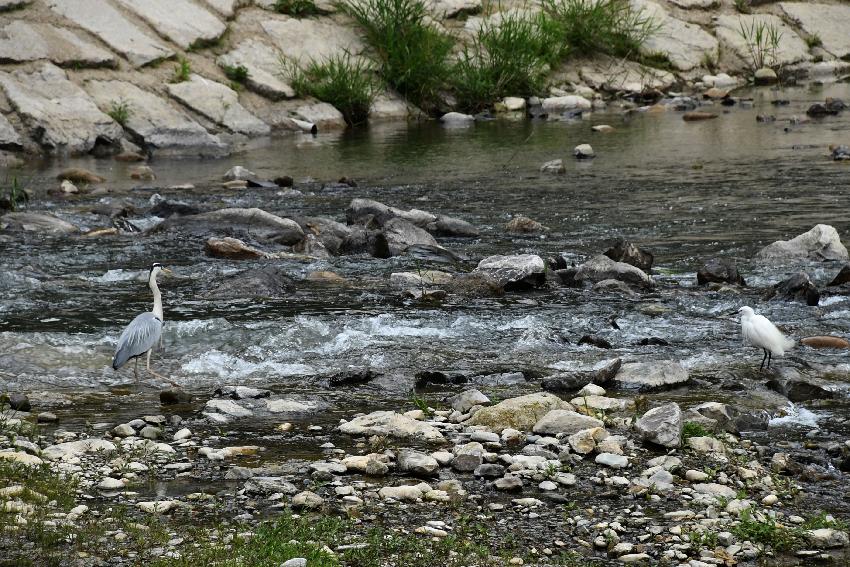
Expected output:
(143, 332)
(758, 331)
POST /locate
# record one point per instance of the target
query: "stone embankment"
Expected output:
(96, 76)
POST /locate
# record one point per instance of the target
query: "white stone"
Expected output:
(263, 64)
(392, 424)
(103, 20)
(592, 390)
(513, 269)
(322, 114)
(513, 103)
(650, 375)
(158, 507)
(73, 449)
(410, 493)
(566, 422)
(611, 460)
(62, 117)
(110, 484)
(22, 41)
(828, 21)
(182, 434)
(227, 407)
(561, 104)
(714, 489)
(154, 121)
(185, 23)
(219, 103)
(520, 413)
(685, 44)
(310, 39)
(822, 242)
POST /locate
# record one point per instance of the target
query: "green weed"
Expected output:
(762, 41)
(606, 26)
(814, 40)
(296, 8)
(182, 71)
(412, 54)
(345, 82)
(766, 532)
(694, 429)
(237, 74)
(743, 6)
(15, 197)
(120, 111)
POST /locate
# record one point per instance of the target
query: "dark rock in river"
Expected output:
(232, 248)
(167, 208)
(799, 388)
(798, 287)
(174, 396)
(448, 226)
(720, 270)
(396, 236)
(522, 271)
(602, 267)
(362, 211)
(432, 253)
(269, 281)
(474, 285)
(439, 378)
(257, 222)
(19, 402)
(818, 110)
(284, 181)
(352, 377)
(600, 374)
(628, 252)
(594, 340)
(730, 418)
(842, 277)
(840, 153)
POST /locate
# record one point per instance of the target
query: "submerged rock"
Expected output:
(36, 222)
(269, 281)
(799, 388)
(629, 253)
(521, 271)
(720, 270)
(257, 222)
(601, 267)
(798, 287)
(842, 277)
(397, 236)
(520, 413)
(820, 243)
(554, 166)
(524, 225)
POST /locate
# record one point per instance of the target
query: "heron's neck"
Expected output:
(157, 297)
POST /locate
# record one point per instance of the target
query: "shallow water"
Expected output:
(685, 191)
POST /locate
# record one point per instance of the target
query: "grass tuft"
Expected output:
(694, 429)
(510, 57)
(182, 71)
(412, 54)
(762, 40)
(237, 73)
(813, 41)
(345, 82)
(606, 26)
(120, 111)
(15, 197)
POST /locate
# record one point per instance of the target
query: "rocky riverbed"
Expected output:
(435, 359)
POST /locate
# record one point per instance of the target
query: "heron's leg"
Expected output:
(763, 359)
(157, 374)
(136, 370)
(769, 357)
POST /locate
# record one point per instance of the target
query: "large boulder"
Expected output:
(601, 267)
(824, 21)
(720, 270)
(520, 413)
(397, 236)
(685, 44)
(36, 222)
(268, 281)
(566, 422)
(22, 41)
(449, 226)
(362, 211)
(798, 287)
(521, 271)
(391, 424)
(185, 23)
(799, 388)
(820, 243)
(662, 425)
(73, 449)
(262, 62)
(61, 117)
(628, 252)
(570, 381)
(652, 375)
(257, 222)
(218, 103)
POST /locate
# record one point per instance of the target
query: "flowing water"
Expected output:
(685, 191)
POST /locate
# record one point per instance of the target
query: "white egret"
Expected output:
(758, 331)
(143, 332)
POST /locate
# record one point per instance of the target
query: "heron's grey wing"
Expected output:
(140, 336)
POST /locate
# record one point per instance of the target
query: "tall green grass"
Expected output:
(412, 54)
(511, 56)
(346, 82)
(606, 26)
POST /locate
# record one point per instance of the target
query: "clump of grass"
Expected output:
(743, 6)
(296, 8)
(511, 57)
(765, 531)
(120, 111)
(657, 59)
(345, 82)
(694, 429)
(236, 73)
(15, 197)
(606, 26)
(182, 71)
(420, 403)
(762, 41)
(813, 41)
(412, 54)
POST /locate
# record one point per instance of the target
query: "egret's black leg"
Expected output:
(763, 359)
(769, 357)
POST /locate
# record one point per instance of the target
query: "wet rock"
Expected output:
(19, 402)
(165, 208)
(269, 281)
(307, 500)
(720, 270)
(241, 393)
(554, 166)
(256, 222)
(353, 377)
(602, 267)
(798, 287)
(799, 388)
(706, 445)
(662, 425)
(232, 248)
(765, 76)
(466, 400)
(514, 272)
(59, 114)
(820, 243)
(452, 227)
(475, 285)
(36, 222)
(237, 172)
(524, 225)
(840, 152)
(362, 211)
(457, 119)
(629, 253)
(173, 396)
(584, 151)
(391, 424)
(651, 375)
(602, 373)
(730, 418)
(593, 340)
(421, 279)
(698, 115)
(489, 470)
(417, 463)
(219, 103)
(371, 465)
(564, 421)
(508, 483)
(79, 175)
(826, 538)
(439, 377)
(397, 235)
(826, 342)
(143, 173)
(842, 277)
(520, 413)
